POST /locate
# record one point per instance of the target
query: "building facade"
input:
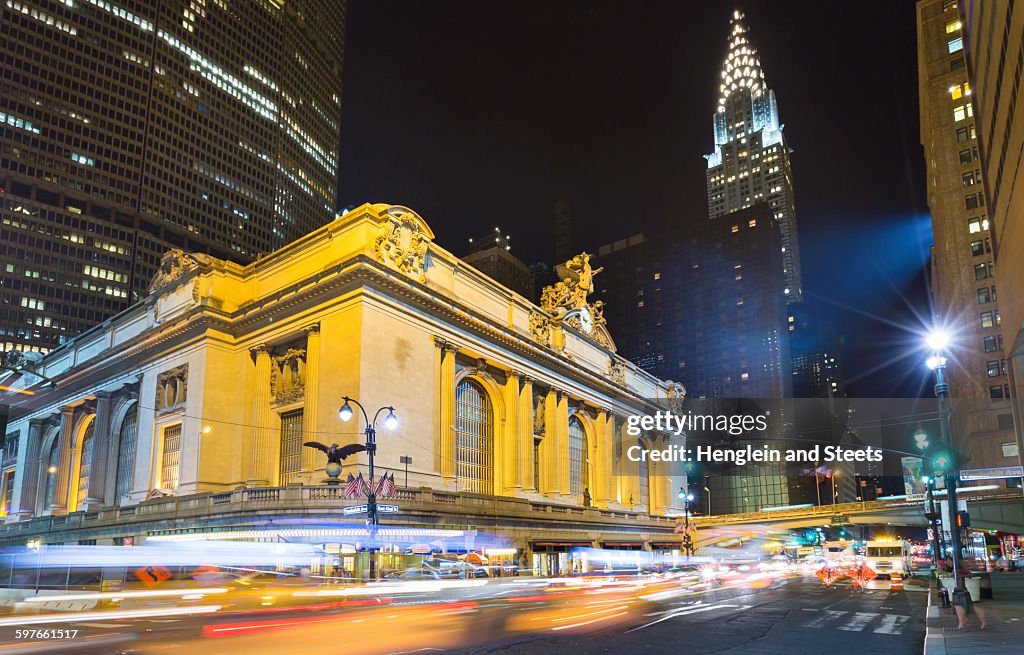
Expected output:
(184, 417)
(491, 255)
(750, 164)
(130, 128)
(966, 289)
(993, 41)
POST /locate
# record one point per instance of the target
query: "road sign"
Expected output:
(915, 497)
(839, 519)
(152, 576)
(992, 473)
(387, 509)
(354, 509)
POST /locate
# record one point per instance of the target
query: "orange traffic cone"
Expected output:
(896, 582)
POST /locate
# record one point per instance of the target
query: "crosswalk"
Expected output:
(877, 622)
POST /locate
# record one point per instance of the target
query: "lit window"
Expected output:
(992, 367)
(752, 223)
(744, 376)
(953, 26)
(735, 228)
(986, 320)
(657, 276)
(955, 45)
(474, 438)
(990, 344)
(984, 296)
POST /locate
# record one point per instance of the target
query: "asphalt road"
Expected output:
(798, 615)
(794, 615)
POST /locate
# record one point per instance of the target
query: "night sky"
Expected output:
(482, 114)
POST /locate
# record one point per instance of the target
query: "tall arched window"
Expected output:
(126, 455)
(579, 474)
(85, 462)
(474, 438)
(51, 472)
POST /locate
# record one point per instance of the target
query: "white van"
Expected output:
(885, 556)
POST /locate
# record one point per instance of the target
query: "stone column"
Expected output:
(446, 426)
(312, 396)
(26, 506)
(525, 433)
(549, 446)
(59, 504)
(100, 447)
(603, 474)
(511, 480)
(562, 432)
(260, 457)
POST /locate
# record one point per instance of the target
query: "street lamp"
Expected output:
(937, 341)
(687, 538)
(345, 413)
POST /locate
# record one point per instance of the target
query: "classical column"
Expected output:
(549, 446)
(30, 470)
(562, 432)
(525, 433)
(100, 447)
(260, 456)
(602, 470)
(312, 396)
(510, 481)
(446, 426)
(59, 504)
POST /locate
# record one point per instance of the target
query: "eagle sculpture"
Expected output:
(335, 453)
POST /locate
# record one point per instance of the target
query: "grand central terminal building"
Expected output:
(184, 417)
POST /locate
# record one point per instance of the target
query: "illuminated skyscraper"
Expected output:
(750, 164)
(131, 127)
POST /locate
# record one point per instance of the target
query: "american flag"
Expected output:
(353, 486)
(388, 489)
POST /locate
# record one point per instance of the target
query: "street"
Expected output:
(782, 615)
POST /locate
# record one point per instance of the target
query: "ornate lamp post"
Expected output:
(687, 537)
(370, 431)
(944, 463)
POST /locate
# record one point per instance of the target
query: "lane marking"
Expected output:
(602, 618)
(859, 621)
(680, 613)
(892, 624)
(826, 617)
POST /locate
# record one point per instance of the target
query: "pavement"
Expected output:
(1004, 614)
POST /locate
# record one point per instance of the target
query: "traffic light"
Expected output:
(842, 533)
(921, 439)
(963, 519)
(942, 463)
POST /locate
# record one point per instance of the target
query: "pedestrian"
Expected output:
(964, 607)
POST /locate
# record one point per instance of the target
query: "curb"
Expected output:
(934, 640)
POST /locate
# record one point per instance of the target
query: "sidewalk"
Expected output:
(1005, 615)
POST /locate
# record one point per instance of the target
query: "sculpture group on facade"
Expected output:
(566, 304)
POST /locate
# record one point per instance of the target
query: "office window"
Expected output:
(990, 344)
(969, 179)
(291, 446)
(961, 112)
(1005, 421)
(986, 320)
(984, 296)
(980, 271)
(977, 247)
(976, 225)
(953, 26)
(996, 392)
(955, 45)
(171, 459)
(965, 156)
(971, 201)
(992, 367)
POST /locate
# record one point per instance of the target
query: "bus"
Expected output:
(886, 556)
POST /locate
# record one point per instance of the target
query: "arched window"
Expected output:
(579, 474)
(126, 455)
(85, 462)
(51, 472)
(474, 438)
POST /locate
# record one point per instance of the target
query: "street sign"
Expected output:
(152, 576)
(992, 473)
(354, 509)
(387, 509)
(915, 497)
(839, 519)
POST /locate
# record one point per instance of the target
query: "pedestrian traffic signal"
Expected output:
(921, 439)
(963, 519)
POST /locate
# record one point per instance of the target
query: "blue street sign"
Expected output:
(387, 509)
(355, 509)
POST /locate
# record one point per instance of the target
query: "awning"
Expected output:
(622, 544)
(542, 544)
